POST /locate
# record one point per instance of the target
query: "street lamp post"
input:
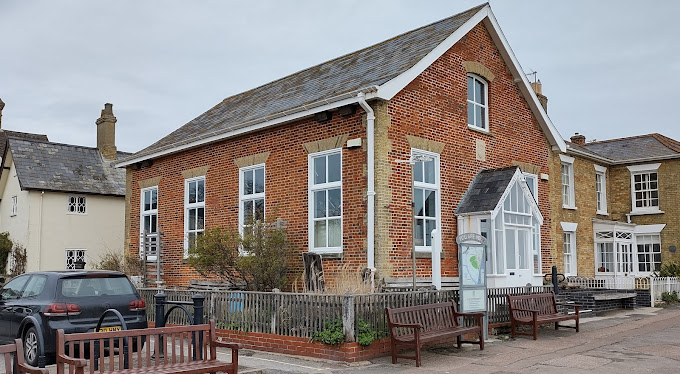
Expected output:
(413, 159)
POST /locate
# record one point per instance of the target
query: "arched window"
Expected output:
(477, 98)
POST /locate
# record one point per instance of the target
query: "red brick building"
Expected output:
(322, 150)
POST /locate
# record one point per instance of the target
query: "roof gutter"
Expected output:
(260, 123)
(611, 162)
(370, 193)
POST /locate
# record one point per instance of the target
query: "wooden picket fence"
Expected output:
(303, 314)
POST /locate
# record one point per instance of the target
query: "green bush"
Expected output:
(366, 334)
(669, 269)
(670, 297)
(5, 250)
(332, 334)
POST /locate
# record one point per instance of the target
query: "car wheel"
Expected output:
(31, 346)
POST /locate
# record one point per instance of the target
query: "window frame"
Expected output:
(312, 188)
(485, 106)
(243, 198)
(601, 190)
(436, 187)
(148, 213)
(567, 162)
(640, 170)
(66, 257)
(76, 204)
(189, 206)
(15, 204)
(533, 178)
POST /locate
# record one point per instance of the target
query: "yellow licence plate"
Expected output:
(110, 328)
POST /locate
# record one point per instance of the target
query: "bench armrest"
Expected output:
(575, 306)
(26, 368)
(222, 344)
(77, 362)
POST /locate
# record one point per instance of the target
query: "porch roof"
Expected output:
(486, 190)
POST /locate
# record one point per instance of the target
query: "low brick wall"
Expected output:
(602, 300)
(644, 298)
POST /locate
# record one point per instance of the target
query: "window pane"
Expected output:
(259, 180)
(154, 224)
(523, 248)
(429, 226)
(147, 223)
(334, 232)
(430, 207)
(334, 203)
(479, 92)
(259, 209)
(200, 191)
(334, 168)
(247, 212)
(192, 219)
(471, 114)
(192, 192)
(418, 239)
(319, 170)
(200, 220)
(248, 182)
(154, 199)
(418, 171)
(418, 200)
(510, 248)
(479, 116)
(470, 89)
(319, 234)
(147, 200)
(320, 204)
(429, 172)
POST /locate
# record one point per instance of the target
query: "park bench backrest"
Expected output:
(176, 340)
(431, 316)
(544, 303)
(6, 351)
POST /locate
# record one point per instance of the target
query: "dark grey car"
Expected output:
(34, 305)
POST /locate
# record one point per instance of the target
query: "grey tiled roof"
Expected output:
(62, 167)
(637, 147)
(350, 73)
(4, 134)
(486, 190)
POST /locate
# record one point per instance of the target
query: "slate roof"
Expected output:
(633, 148)
(49, 166)
(348, 74)
(4, 134)
(486, 190)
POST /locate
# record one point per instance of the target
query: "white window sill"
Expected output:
(569, 207)
(479, 129)
(602, 213)
(644, 212)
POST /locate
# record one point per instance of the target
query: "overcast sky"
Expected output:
(609, 68)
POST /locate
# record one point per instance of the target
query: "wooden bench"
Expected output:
(17, 349)
(168, 350)
(536, 309)
(415, 326)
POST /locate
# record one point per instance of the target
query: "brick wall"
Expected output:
(432, 108)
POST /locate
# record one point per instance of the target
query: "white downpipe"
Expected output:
(436, 260)
(370, 235)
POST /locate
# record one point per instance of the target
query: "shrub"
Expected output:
(19, 260)
(215, 254)
(670, 297)
(128, 264)
(332, 334)
(5, 250)
(366, 334)
(669, 269)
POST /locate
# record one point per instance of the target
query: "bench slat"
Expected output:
(536, 309)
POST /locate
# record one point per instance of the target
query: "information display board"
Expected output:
(472, 274)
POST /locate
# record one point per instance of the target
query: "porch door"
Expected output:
(624, 258)
(518, 255)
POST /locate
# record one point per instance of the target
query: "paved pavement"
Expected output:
(645, 340)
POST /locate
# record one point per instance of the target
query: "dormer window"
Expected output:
(477, 98)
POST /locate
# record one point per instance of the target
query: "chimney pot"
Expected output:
(578, 139)
(538, 89)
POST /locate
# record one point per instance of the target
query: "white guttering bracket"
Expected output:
(244, 128)
(370, 193)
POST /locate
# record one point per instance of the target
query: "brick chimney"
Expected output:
(106, 133)
(578, 139)
(538, 88)
(2, 106)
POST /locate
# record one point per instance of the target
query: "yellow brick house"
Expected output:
(616, 214)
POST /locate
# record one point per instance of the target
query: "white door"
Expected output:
(624, 258)
(518, 256)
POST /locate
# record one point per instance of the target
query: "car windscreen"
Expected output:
(96, 286)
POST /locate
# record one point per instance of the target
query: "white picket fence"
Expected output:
(659, 285)
(656, 285)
